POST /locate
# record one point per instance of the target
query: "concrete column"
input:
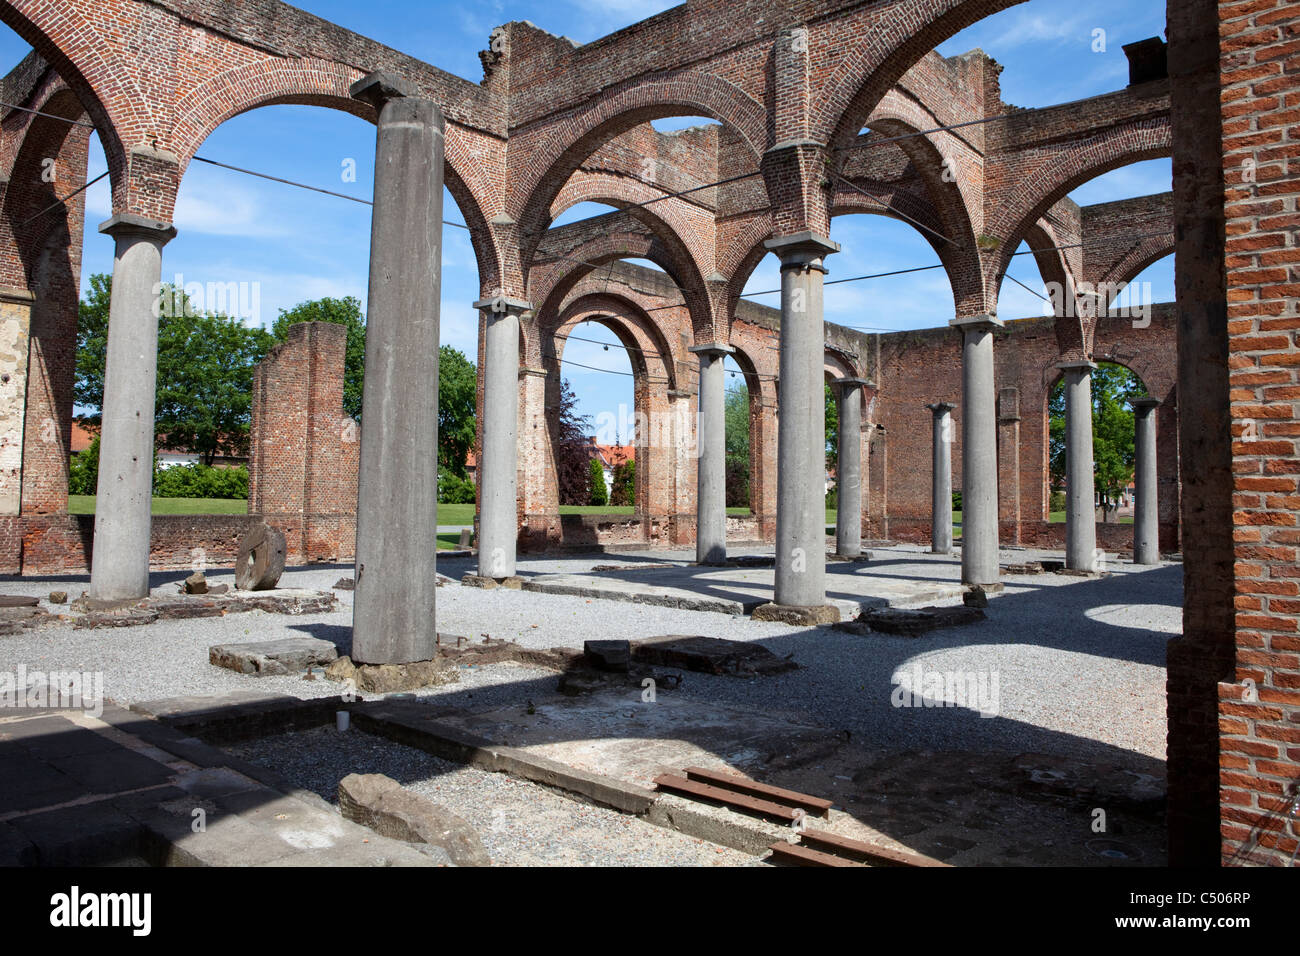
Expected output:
(1080, 500)
(498, 496)
(1146, 509)
(941, 479)
(397, 501)
(711, 484)
(848, 468)
(979, 451)
(120, 560)
(801, 428)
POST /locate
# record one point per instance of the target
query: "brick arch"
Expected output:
(1052, 265)
(740, 255)
(1074, 333)
(762, 467)
(1055, 177)
(549, 283)
(898, 115)
(562, 148)
(633, 328)
(850, 202)
(323, 83)
(1136, 261)
(836, 364)
(65, 39)
(43, 137)
(671, 216)
(899, 38)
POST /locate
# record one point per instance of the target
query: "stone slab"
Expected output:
(289, 655)
(379, 802)
(710, 655)
(911, 622)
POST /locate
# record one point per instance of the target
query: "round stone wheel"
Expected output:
(261, 558)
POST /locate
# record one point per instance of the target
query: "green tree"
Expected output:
(572, 449)
(205, 383)
(83, 470)
(1112, 430)
(92, 345)
(736, 427)
(624, 491)
(599, 493)
(205, 371)
(832, 429)
(345, 312)
(457, 412)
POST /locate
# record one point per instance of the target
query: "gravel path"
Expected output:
(1079, 663)
(520, 824)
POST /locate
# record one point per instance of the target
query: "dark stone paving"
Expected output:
(80, 791)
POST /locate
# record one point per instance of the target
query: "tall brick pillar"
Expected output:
(1198, 660)
(1259, 709)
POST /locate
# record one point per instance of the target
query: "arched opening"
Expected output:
(1113, 386)
(740, 420)
(601, 365)
(1025, 292)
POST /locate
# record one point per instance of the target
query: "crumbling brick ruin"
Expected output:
(793, 85)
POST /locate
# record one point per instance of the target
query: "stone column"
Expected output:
(120, 560)
(848, 468)
(711, 484)
(1080, 499)
(979, 451)
(801, 428)
(941, 479)
(498, 496)
(1146, 509)
(397, 501)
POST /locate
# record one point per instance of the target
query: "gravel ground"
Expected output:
(1079, 663)
(520, 824)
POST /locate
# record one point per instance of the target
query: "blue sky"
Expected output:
(296, 245)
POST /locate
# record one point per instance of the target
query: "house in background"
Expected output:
(610, 457)
(83, 433)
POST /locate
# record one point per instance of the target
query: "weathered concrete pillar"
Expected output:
(498, 496)
(397, 501)
(848, 468)
(979, 451)
(711, 483)
(941, 479)
(1146, 508)
(1080, 498)
(801, 434)
(120, 560)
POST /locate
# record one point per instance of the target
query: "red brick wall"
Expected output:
(1259, 710)
(920, 368)
(303, 449)
(62, 544)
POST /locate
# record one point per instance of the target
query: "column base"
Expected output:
(392, 678)
(513, 582)
(807, 616)
(862, 556)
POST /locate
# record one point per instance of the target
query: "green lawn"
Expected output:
(85, 505)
